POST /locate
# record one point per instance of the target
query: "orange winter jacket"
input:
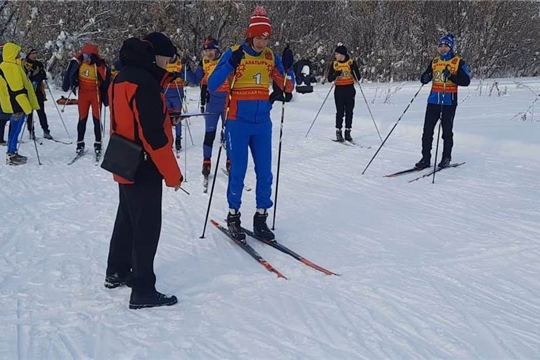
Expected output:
(139, 112)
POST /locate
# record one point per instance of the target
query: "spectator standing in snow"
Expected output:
(17, 98)
(139, 113)
(36, 73)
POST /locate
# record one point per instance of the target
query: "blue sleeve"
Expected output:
(221, 72)
(71, 76)
(196, 76)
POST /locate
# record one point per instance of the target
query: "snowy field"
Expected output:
(429, 271)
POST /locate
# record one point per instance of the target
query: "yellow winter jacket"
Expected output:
(16, 91)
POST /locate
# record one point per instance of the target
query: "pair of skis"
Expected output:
(414, 170)
(351, 143)
(97, 157)
(276, 245)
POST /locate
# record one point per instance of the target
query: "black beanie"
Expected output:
(341, 50)
(162, 44)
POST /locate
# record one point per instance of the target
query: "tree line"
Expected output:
(391, 40)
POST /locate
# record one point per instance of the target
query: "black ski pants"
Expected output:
(344, 98)
(433, 113)
(136, 234)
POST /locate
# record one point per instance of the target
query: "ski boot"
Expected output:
(339, 136)
(348, 135)
(423, 163)
(80, 147)
(260, 228)
(445, 162)
(206, 166)
(178, 143)
(15, 159)
(47, 134)
(234, 225)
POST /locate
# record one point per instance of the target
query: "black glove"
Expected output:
(446, 74)
(236, 57)
(339, 73)
(425, 78)
(175, 75)
(94, 59)
(287, 58)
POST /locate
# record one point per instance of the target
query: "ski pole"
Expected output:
(391, 130)
(218, 156)
(279, 151)
(58, 110)
(316, 116)
(370, 113)
(35, 143)
(439, 131)
(185, 109)
(185, 154)
(67, 100)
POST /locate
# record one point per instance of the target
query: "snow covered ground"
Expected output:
(444, 270)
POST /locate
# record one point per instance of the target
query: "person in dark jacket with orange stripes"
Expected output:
(344, 72)
(139, 113)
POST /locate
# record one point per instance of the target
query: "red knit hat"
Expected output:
(259, 24)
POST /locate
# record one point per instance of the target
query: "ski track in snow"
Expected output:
(444, 270)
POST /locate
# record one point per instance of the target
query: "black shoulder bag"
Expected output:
(122, 156)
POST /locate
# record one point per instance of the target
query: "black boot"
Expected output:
(206, 166)
(80, 147)
(423, 163)
(115, 280)
(348, 135)
(97, 148)
(260, 228)
(445, 162)
(151, 300)
(339, 136)
(235, 227)
(178, 143)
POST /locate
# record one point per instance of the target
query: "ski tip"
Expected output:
(214, 222)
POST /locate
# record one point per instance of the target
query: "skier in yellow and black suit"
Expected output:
(344, 71)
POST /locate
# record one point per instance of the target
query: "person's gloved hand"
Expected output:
(175, 75)
(236, 57)
(446, 74)
(425, 78)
